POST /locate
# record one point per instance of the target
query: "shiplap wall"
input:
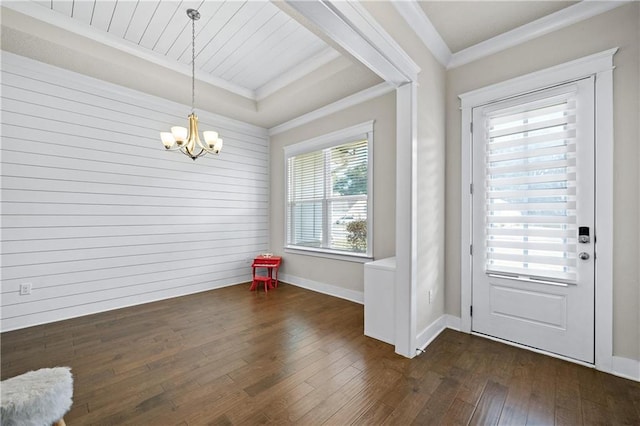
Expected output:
(96, 215)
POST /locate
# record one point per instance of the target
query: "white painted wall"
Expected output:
(430, 167)
(96, 216)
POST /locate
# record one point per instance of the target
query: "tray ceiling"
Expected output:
(243, 46)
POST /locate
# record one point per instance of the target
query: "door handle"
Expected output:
(584, 255)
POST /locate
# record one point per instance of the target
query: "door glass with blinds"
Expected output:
(533, 190)
(328, 198)
(531, 228)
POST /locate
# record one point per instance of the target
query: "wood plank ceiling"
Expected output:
(247, 44)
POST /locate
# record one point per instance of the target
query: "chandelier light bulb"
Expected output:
(167, 139)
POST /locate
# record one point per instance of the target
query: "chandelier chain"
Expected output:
(193, 64)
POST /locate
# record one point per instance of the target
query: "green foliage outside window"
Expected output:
(357, 235)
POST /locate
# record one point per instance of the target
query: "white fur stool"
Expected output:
(36, 398)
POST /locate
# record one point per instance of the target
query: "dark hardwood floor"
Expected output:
(231, 356)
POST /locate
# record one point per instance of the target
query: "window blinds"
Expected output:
(531, 190)
(327, 198)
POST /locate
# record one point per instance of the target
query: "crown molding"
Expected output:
(349, 101)
(555, 21)
(283, 80)
(422, 26)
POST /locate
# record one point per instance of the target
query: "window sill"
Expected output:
(329, 254)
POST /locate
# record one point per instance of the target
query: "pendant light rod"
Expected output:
(188, 140)
(194, 15)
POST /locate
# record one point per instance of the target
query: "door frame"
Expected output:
(600, 65)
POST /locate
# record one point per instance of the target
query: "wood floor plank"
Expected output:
(438, 404)
(362, 402)
(234, 357)
(489, 407)
(541, 408)
(375, 415)
(516, 405)
(459, 413)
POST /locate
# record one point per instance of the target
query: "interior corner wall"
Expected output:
(430, 280)
(430, 173)
(97, 216)
(616, 28)
(339, 277)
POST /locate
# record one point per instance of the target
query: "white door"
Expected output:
(533, 194)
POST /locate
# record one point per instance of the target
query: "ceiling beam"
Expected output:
(349, 26)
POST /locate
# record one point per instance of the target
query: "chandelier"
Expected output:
(181, 138)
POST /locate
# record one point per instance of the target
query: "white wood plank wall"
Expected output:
(96, 215)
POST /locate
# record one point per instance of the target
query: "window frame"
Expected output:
(330, 140)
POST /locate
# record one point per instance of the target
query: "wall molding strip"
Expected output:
(422, 26)
(344, 103)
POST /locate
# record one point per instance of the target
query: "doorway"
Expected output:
(599, 65)
(533, 219)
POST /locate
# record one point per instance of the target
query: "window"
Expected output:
(329, 193)
(531, 196)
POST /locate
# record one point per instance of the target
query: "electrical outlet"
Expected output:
(430, 296)
(25, 289)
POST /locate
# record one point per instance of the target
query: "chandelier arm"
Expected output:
(193, 157)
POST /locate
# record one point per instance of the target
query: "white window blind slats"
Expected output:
(551, 178)
(546, 247)
(532, 259)
(531, 127)
(535, 193)
(517, 209)
(559, 136)
(509, 117)
(519, 168)
(494, 157)
(327, 198)
(548, 221)
(530, 190)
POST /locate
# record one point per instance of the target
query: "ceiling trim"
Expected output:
(311, 64)
(356, 36)
(344, 103)
(422, 26)
(555, 21)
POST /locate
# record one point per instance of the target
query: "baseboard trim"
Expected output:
(626, 368)
(324, 288)
(426, 336)
(453, 323)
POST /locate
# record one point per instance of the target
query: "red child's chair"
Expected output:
(266, 279)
